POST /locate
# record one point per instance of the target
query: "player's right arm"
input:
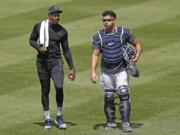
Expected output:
(94, 63)
(96, 44)
(34, 37)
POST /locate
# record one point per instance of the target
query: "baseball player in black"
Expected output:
(49, 38)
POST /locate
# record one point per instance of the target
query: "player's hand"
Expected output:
(135, 59)
(71, 74)
(42, 50)
(93, 77)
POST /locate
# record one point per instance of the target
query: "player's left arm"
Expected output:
(138, 48)
(68, 56)
(135, 42)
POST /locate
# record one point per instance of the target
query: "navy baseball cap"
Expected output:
(54, 9)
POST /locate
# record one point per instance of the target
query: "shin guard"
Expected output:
(125, 106)
(109, 107)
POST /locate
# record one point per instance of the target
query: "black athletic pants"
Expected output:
(51, 70)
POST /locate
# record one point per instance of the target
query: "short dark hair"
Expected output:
(110, 13)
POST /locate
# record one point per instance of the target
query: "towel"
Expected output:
(44, 33)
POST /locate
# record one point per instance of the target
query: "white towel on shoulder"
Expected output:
(44, 33)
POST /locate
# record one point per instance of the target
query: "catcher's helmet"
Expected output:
(129, 54)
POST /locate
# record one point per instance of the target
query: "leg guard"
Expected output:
(125, 106)
(109, 106)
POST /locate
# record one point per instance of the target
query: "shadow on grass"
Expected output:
(54, 124)
(103, 125)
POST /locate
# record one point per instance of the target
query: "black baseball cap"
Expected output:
(54, 9)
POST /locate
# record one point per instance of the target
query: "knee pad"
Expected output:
(123, 93)
(109, 96)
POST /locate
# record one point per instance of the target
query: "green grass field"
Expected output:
(154, 96)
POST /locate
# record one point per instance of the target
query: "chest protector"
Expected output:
(112, 46)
